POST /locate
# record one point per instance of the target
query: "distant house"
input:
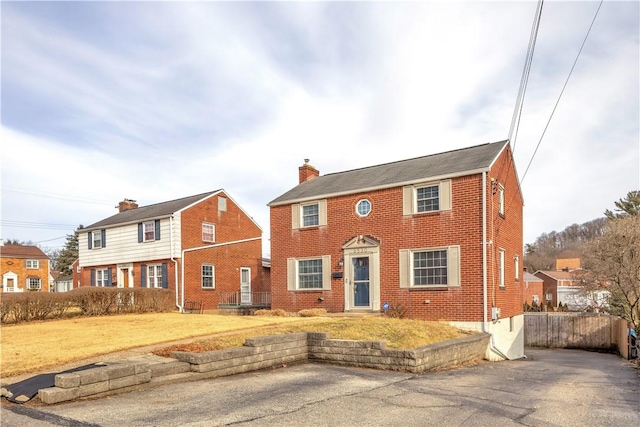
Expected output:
(439, 235)
(24, 268)
(567, 261)
(64, 283)
(532, 291)
(205, 247)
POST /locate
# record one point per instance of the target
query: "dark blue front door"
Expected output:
(361, 282)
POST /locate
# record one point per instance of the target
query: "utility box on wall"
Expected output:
(495, 313)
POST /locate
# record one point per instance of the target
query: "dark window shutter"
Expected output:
(109, 275)
(93, 275)
(104, 237)
(165, 279)
(157, 227)
(140, 233)
(90, 240)
(143, 276)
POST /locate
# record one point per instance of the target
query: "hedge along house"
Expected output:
(440, 235)
(206, 247)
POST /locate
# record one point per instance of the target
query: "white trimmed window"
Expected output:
(102, 278)
(501, 200)
(97, 239)
(149, 231)
(208, 276)
(34, 284)
(501, 267)
(309, 273)
(33, 263)
(310, 214)
(208, 232)
(516, 264)
(427, 197)
(549, 297)
(536, 299)
(363, 207)
(154, 276)
(430, 267)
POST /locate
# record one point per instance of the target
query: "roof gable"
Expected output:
(22, 251)
(155, 211)
(450, 163)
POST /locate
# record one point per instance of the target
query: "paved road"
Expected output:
(549, 388)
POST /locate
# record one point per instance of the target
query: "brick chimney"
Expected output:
(127, 204)
(307, 172)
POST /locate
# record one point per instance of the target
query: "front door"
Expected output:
(361, 283)
(245, 286)
(125, 278)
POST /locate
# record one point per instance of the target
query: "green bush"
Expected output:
(90, 301)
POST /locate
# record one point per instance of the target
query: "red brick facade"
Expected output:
(20, 264)
(462, 226)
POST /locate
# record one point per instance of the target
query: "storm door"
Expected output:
(361, 283)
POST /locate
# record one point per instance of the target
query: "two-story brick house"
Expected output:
(440, 234)
(24, 268)
(203, 246)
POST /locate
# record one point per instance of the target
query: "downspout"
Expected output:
(175, 263)
(485, 326)
(215, 245)
(485, 323)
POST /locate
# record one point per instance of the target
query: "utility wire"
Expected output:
(42, 225)
(10, 189)
(561, 92)
(517, 111)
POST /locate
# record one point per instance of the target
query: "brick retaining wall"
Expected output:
(261, 353)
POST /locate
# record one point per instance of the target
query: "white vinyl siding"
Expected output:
(309, 274)
(123, 246)
(426, 197)
(430, 267)
(310, 214)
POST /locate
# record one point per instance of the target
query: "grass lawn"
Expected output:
(33, 347)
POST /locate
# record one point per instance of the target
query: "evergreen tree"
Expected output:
(69, 254)
(630, 205)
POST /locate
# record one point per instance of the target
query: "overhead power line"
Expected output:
(40, 225)
(562, 91)
(10, 189)
(517, 110)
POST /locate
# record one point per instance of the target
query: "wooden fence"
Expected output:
(589, 331)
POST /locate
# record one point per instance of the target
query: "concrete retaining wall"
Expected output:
(260, 353)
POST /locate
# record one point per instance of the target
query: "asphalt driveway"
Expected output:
(549, 388)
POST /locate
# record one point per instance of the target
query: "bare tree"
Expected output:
(612, 263)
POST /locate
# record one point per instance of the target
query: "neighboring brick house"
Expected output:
(533, 291)
(440, 235)
(552, 280)
(24, 268)
(206, 247)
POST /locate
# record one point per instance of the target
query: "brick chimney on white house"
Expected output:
(127, 204)
(307, 172)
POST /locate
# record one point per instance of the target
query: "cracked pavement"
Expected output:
(549, 388)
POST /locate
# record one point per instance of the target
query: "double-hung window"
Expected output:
(501, 267)
(429, 267)
(33, 263)
(427, 197)
(208, 278)
(309, 273)
(34, 284)
(310, 215)
(149, 231)
(154, 276)
(208, 232)
(102, 278)
(97, 239)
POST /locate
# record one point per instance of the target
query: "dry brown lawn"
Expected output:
(33, 347)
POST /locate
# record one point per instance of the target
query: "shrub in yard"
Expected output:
(23, 307)
(276, 313)
(312, 312)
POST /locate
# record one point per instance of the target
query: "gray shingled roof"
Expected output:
(395, 173)
(159, 210)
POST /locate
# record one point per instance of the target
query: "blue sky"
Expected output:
(159, 100)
